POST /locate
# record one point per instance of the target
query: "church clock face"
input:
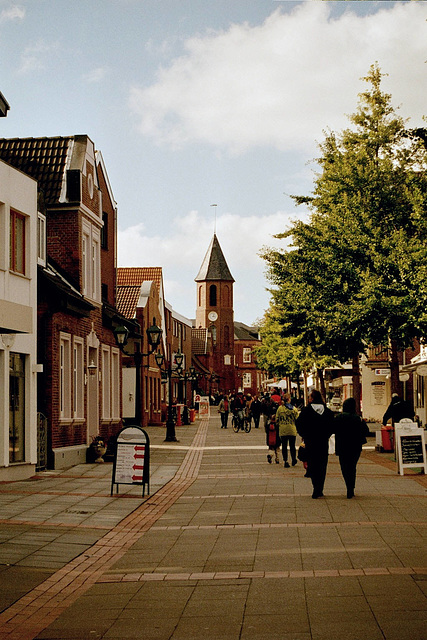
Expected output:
(213, 316)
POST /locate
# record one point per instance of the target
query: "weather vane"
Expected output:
(214, 205)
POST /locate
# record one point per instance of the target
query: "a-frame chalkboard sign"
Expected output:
(132, 459)
(410, 446)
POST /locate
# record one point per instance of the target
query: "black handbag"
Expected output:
(302, 453)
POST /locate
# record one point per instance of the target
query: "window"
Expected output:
(106, 383)
(110, 383)
(212, 295)
(226, 336)
(104, 231)
(227, 359)
(247, 354)
(91, 270)
(64, 376)
(115, 383)
(17, 242)
(419, 391)
(41, 239)
(78, 379)
(247, 380)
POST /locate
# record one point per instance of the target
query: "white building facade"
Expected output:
(20, 227)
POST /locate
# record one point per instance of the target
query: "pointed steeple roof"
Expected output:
(214, 265)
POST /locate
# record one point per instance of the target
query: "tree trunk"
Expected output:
(396, 386)
(322, 383)
(357, 387)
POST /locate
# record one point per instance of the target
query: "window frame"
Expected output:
(78, 378)
(14, 217)
(247, 355)
(65, 405)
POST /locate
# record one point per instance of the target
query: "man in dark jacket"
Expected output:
(315, 426)
(398, 409)
(350, 434)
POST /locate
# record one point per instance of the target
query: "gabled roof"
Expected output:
(44, 159)
(243, 332)
(135, 276)
(130, 281)
(127, 300)
(199, 341)
(214, 265)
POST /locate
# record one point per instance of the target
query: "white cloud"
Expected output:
(282, 83)
(181, 254)
(35, 56)
(14, 12)
(95, 75)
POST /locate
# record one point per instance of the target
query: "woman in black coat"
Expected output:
(350, 435)
(315, 424)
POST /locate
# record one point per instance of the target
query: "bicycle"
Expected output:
(248, 423)
(238, 421)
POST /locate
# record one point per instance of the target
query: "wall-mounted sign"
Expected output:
(132, 459)
(382, 372)
(422, 370)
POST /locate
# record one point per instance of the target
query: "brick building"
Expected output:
(222, 348)
(79, 389)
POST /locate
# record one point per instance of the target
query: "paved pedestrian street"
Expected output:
(226, 547)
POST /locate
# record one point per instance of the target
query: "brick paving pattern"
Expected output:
(227, 547)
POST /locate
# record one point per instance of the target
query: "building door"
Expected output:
(16, 407)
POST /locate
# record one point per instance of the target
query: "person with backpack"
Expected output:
(286, 416)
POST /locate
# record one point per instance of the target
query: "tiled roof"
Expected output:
(135, 276)
(44, 159)
(214, 265)
(127, 299)
(243, 332)
(199, 339)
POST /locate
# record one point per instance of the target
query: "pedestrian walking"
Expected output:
(272, 438)
(248, 408)
(238, 408)
(350, 434)
(256, 411)
(315, 425)
(398, 409)
(224, 409)
(286, 416)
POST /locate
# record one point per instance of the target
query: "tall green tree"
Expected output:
(357, 271)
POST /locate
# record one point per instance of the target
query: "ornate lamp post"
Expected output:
(121, 336)
(170, 422)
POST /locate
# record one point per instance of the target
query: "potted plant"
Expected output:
(98, 448)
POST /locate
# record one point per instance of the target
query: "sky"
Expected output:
(195, 103)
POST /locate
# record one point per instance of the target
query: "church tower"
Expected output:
(215, 312)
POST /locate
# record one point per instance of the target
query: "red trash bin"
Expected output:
(192, 415)
(386, 438)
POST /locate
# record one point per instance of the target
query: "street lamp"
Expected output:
(121, 336)
(170, 422)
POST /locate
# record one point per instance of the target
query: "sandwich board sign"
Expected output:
(411, 446)
(132, 459)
